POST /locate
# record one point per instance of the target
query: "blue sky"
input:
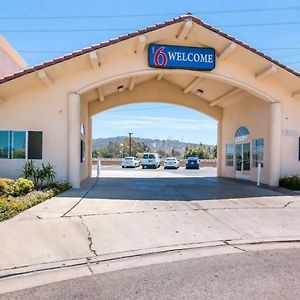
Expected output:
(42, 30)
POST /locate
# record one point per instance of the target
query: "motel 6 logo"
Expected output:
(160, 58)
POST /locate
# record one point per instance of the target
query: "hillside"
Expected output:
(153, 144)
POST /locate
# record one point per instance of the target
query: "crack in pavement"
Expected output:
(90, 240)
(233, 246)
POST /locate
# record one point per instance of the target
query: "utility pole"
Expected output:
(130, 134)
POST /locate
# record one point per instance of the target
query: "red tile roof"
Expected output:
(139, 32)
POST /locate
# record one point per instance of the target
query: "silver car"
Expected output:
(130, 162)
(171, 163)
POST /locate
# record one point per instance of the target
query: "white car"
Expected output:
(150, 160)
(130, 162)
(171, 163)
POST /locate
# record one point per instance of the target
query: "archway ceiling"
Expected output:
(207, 89)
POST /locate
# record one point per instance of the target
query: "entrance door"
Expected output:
(242, 160)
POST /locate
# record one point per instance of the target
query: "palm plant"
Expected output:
(49, 173)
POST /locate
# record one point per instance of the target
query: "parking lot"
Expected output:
(117, 171)
(177, 185)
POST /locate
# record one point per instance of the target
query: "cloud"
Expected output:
(131, 122)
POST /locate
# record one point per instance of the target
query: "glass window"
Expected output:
(299, 149)
(82, 151)
(4, 143)
(229, 155)
(35, 145)
(257, 152)
(18, 142)
(242, 131)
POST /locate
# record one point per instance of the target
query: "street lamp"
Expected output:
(130, 134)
(122, 150)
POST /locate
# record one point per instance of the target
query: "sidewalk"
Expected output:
(77, 229)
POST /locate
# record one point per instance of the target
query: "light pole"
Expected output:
(130, 134)
(122, 150)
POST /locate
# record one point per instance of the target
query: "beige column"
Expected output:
(275, 144)
(74, 140)
(89, 146)
(220, 149)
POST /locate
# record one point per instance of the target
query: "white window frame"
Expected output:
(10, 143)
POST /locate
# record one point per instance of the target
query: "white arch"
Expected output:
(211, 75)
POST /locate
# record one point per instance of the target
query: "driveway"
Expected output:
(135, 212)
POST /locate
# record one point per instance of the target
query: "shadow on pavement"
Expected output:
(173, 189)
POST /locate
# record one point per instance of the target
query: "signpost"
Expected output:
(181, 57)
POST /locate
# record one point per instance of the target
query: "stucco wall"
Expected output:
(254, 114)
(43, 110)
(10, 61)
(290, 164)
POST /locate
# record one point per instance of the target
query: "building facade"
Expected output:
(46, 111)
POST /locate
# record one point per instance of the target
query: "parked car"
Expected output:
(150, 160)
(130, 162)
(171, 163)
(192, 163)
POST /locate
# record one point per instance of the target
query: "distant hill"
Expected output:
(153, 144)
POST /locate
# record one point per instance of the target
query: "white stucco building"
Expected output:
(46, 110)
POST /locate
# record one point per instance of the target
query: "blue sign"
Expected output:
(181, 57)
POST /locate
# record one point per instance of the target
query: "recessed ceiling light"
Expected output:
(121, 88)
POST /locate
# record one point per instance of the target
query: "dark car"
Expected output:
(192, 163)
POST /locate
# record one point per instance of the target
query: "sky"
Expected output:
(44, 29)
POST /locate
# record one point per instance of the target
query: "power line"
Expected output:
(260, 24)
(134, 29)
(68, 51)
(280, 48)
(250, 10)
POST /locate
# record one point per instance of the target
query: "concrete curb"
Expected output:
(40, 274)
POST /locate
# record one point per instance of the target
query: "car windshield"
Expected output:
(171, 159)
(192, 159)
(145, 156)
(151, 156)
(129, 158)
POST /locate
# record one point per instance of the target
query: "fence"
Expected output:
(117, 162)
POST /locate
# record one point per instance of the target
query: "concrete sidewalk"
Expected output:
(80, 227)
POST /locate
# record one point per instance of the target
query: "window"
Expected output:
(257, 152)
(35, 145)
(20, 144)
(242, 131)
(4, 144)
(241, 135)
(298, 149)
(229, 155)
(82, 151)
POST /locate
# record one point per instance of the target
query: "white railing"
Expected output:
(120, 159)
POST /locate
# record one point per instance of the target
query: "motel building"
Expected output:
(46, 111)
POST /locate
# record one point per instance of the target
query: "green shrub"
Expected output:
(292, 182)
(11, 206)
(5, 185)
(22, 186)
(39, 175)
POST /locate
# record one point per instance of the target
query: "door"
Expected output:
(242, 160)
